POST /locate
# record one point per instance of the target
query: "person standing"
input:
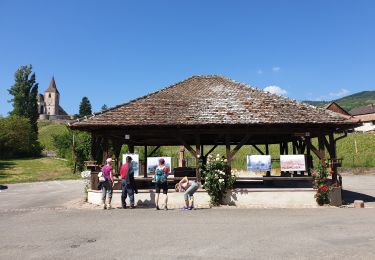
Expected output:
(161, 175)
(107, 185)
(127, 183)
(189, 188)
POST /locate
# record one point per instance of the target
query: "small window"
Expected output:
(49, 95)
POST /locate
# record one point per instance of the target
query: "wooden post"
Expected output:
(181, 159)
(228, 155)
(332, 143)
(145, 163)
(322, 150)
(294, 147)
(268, 173)
(131, 148)
(197, 158)
(308, 154)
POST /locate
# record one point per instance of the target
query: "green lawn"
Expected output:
(364, 156)
(30, 170)
(46, 130)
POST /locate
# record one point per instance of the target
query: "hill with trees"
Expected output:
(359, 99)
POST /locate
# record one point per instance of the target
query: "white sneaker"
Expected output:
(109, 206)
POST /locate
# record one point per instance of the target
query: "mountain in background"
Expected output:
(359, 99)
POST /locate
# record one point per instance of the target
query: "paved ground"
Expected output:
(40, 226)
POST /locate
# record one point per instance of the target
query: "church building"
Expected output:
(49, 104)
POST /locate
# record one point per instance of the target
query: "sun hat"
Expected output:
(109, 160)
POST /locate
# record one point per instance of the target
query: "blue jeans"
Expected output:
(126, 190)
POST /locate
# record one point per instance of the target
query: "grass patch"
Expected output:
(46, 130)
(31, 170)
(363, 156)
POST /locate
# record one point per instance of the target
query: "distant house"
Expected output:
(367, 116)
(49, 104)
(333, 106)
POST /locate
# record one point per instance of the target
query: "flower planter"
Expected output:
(334, 196)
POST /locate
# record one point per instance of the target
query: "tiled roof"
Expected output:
(370, 109)
(211, 100)
(52, 87)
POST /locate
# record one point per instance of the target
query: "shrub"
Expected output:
(216, 181)
(15, 138)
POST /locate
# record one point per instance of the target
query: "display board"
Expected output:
(295, 162)
(135, 162)
(258, 162)
(153, 162)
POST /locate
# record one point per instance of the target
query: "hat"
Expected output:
(109, 160)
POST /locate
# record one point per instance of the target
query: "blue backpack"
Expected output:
(160, 175)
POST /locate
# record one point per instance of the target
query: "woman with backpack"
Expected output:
(107, 185)
(161, 175)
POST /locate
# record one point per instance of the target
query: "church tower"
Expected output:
(52, 98)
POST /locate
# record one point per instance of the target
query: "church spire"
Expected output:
(52, 86)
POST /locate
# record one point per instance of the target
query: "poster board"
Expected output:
(258, 162)
(135, 162)
(153, 162)
(295, 162)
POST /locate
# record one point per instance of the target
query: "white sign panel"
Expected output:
(258, 162)
(135, 161)
(153, 162)
(295, 162)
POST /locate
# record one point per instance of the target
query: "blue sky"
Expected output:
(114, 51)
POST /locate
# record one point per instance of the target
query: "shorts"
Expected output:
(161, 185)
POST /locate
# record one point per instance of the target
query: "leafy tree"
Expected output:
(85, 107)
(104, 107)
(15, 138)
(24, 92)
(82, 147)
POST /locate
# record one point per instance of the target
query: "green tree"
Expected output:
(15, 137)
(24, 92)
(85, 107)
(104, 107)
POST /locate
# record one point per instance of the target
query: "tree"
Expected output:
(24, 92)
(85, 107)
(104, 107)
(15, 137)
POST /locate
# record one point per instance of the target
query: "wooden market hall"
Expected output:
(211, 111)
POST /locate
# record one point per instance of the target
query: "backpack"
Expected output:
(160, 175)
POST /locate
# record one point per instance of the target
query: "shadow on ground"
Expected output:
(350, 196)
(5, 165)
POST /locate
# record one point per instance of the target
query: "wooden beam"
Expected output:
(228, 155)
(238, 147)
(256, 148)
(153, 151)
(145, 162)
(187, 146)
(328, 146)
(211, 150)
(316, 151)
(198, 152)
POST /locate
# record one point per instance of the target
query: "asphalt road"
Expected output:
(41, 226)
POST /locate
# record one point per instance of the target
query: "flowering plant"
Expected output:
(321, 185)
(216, 181)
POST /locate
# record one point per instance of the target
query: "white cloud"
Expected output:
(260, 72)
(275, 69)
(275, 90)
(341, 93)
